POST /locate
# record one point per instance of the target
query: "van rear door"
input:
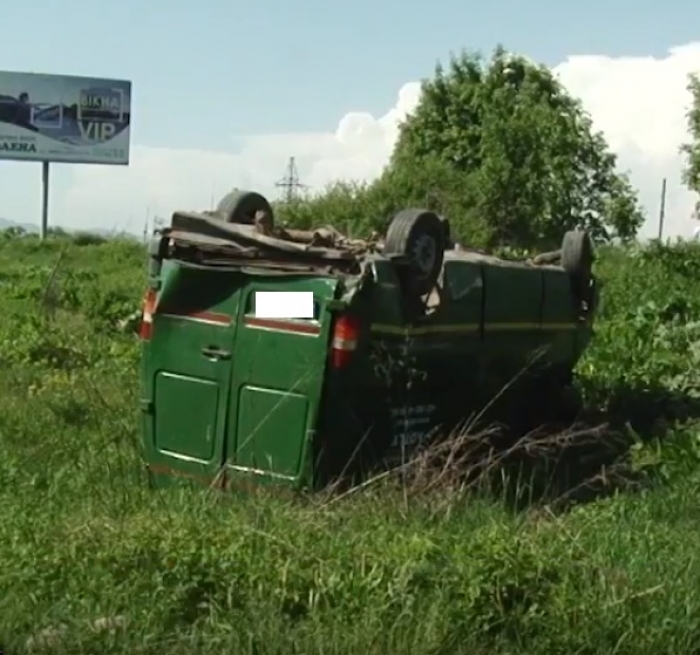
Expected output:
(277, 383)
(187, 363)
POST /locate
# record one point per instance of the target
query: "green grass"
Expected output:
(386, 570)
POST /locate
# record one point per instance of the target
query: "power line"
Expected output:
(290, 182)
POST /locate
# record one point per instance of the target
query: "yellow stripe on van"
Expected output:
(514, 327)
(467, 328)
(559, 326)
(463, 328)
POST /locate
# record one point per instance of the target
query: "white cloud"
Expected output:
(638, 102)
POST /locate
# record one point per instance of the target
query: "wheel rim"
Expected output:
(425, 254)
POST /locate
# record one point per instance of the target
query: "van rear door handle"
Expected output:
(213, 352)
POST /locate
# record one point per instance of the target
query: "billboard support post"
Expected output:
(44, 199)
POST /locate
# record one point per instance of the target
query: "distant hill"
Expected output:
(28, 227)
(5, 224)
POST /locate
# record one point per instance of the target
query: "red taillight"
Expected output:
(149, 308)
(345, 336)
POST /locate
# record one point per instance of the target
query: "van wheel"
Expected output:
(418, 235)
(577, 255)
(241, 207)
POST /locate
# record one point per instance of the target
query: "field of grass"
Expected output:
(91, 561)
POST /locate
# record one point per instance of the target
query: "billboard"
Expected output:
(60, 118)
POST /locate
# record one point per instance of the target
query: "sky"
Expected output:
(224, 93)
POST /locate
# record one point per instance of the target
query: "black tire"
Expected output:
(418, 235)
(577, 255)
(241, 206)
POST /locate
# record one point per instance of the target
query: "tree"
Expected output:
(362, 208)
(524, 151)
(691, 173)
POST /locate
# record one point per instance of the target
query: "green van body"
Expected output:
(230, 397)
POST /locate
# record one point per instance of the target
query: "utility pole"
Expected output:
(662, 209)
(146, 224)
(290, 182)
